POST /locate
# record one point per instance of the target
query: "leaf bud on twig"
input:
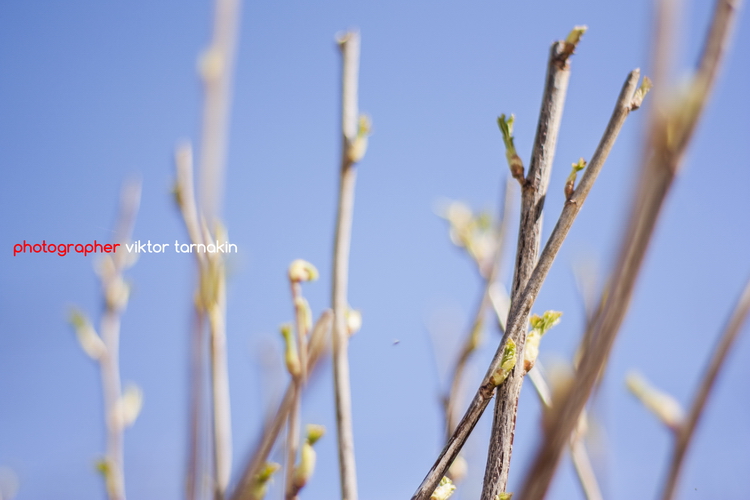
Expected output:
(514, 161)
(301, 270)
(444, 490)
(291, 357)
(507, 364)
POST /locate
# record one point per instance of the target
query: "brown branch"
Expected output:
(522, 306)
(534, 191)
(349, 44)
(687, 429)
(272, 428)
(670, 130)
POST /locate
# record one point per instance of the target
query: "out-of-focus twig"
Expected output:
(687, 430)
(272, 428)
(354, 138)
(578, 453)
(120, 410)
(671, 127)
(472, 339)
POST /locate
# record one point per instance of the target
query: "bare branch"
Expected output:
(521, 307)
(671, 127)
(534, 191)
(687, 430)
(349, 44)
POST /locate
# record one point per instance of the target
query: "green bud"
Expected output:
(89, 340)
(259, 486)
(507, 364)
(291, 357)
(301, 270)
(640, 94)
(661, 404)
(539, 326)
(514, 161)
(444, 490)
(314, 432)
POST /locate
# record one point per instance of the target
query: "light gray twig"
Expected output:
(349, 44)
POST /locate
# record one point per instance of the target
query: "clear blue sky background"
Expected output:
(94, 92)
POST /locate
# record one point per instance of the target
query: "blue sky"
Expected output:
(92, 93)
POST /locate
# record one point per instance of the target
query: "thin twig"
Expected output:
(298, 380)
(273, 426)
(670, 130)
(185, 197)
(349, 44)
(522, 306)
(687, 430)
(534, 191)
(216, 71)
(113, 289)
(472, 339)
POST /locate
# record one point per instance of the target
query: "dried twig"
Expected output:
(687, 429)
(349, 44)
(534, 191)
(272, 428)
(670, 130)
(522, 306)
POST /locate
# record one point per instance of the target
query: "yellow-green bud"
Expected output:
(90, 341)
(507, 364)
(444, 490)
(301, 270)
(291, 357)
(661, 404)
(260, 483)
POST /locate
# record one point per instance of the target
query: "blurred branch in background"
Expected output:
(120, 409)
(355, 129)
(252, 481)
(673, 119)
(686, 431)
(204, 226)
(484, 244)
